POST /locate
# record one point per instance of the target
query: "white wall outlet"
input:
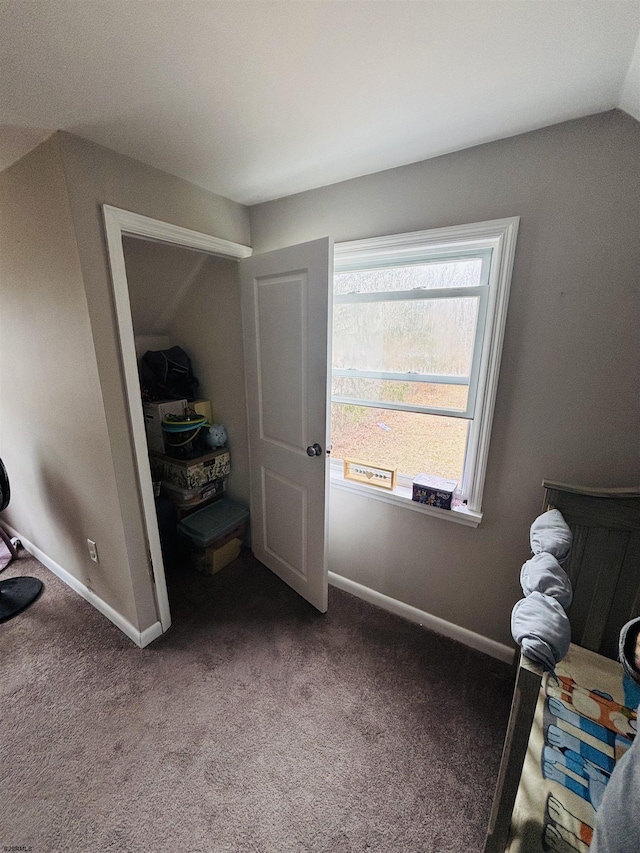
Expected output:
(93, 550)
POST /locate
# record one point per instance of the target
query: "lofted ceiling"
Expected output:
(256, 100)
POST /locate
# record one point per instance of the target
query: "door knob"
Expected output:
(314, 450)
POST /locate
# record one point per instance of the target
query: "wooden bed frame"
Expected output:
(604, 569)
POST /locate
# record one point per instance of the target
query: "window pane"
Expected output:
(426, 275)
(420, 336)
(434, 395)
(414, 443)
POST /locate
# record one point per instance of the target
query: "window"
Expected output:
(418, 323)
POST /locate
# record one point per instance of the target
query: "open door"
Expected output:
(285, 305)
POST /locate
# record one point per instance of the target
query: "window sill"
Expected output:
(401, 497)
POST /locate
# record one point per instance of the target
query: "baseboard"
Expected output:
(140, 638)
(407, 611)
(150, 634)
(434, 623)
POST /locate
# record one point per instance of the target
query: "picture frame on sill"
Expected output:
(372, 475)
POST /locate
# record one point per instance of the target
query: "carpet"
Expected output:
(255, 725)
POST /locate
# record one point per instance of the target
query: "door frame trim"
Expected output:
(118, 223)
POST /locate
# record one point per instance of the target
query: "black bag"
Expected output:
(167, 375)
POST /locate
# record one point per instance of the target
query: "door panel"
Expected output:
(285, 514)
(285, 310)
(282, 305)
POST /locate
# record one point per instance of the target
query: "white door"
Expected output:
(285, 304)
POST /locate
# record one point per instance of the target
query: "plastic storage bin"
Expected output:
(185, 499)
(215, 534)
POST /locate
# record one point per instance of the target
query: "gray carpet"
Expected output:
(255, 725)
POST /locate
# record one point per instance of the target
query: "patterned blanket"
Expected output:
(585, 721)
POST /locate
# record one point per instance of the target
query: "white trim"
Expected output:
(401, 497)
(429, 378)
(433, 623)
(150, 634)
(452, 238)
(477, 452)
(463, 414)
(411, 295)
(141, 639)
(137, 225)
(118, 222)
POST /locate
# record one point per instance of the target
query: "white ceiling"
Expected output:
(256, 100)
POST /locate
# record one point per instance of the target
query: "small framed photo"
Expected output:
(373, 475)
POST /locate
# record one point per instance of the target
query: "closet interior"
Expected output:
(186, 313)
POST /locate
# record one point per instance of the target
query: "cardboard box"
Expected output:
(210, 560)
(191, 473)
(154, 414)
(433, 491)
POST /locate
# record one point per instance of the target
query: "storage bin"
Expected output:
(210, 560)
(202, 407)
(188, 498)
(191, 473)
(215, 534)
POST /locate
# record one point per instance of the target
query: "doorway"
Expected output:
(266, 287)
(187, 299)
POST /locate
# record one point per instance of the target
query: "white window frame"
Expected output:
(496, 238)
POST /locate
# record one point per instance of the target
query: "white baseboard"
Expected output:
(150, 634)
(407, 611)
(140, 638)
(434, 623)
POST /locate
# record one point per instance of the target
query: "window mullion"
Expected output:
(398, 295)
(481, 321)
(429, 378)
(401, 407)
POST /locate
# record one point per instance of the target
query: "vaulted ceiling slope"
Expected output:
(256, 100)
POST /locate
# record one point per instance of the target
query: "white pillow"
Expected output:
(551, 533)
(543, 573)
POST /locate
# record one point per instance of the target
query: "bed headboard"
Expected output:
(604, 563)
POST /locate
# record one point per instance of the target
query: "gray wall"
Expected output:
(76, 479)
(209, 322)
(97, 176)
(53, 430)
(568, 405)
(160, 277)
(568, 401)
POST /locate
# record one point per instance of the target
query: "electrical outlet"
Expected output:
(93, 550)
